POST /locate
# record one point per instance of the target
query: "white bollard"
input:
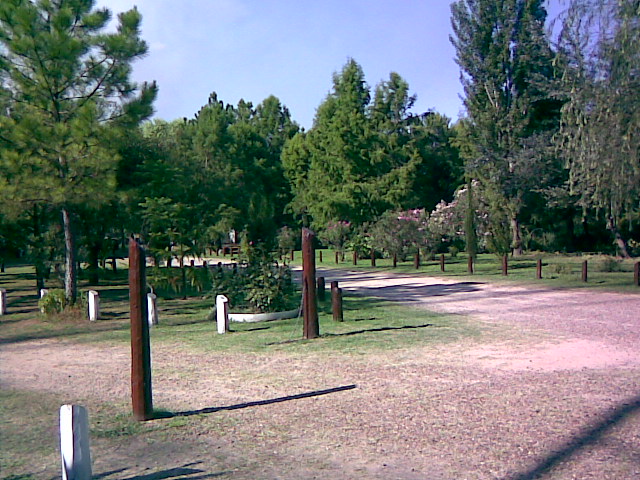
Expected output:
(43, 292)
(222, 313)
(152, 308)
(94, 305)
(74, 443)
(3, 301)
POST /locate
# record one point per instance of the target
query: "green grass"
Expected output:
(558, 271)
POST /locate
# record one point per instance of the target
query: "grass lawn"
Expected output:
(558, 271)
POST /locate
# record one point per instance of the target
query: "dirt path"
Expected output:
(555, 396)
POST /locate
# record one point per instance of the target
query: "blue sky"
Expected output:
(290, 48)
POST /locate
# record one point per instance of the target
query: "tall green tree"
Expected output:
(362, 155)
(599, 50)
(66, 81)
(506, 63)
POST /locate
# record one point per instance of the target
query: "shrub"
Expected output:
(453, 251)
(258, 284)
(53, 302)
(560, 268)
(610, 264)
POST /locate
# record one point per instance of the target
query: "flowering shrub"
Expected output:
(336, 234)
(400, 233)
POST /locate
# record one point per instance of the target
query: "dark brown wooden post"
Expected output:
(442, 262)
(311, 328)
(636, 274)
(416, 260)
(355, 257)
(320, 255)
(293, 255)
(321, 289)
(505, 265)
(193, 263)
(395, 260)
(584, 271)
(470, 264)
(337, 258)
(336, 302)
(373, 257)
(141, 393)
(539, 269)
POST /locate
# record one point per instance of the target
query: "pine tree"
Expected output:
(506, 64)
(65, 82)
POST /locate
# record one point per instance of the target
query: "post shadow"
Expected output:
(239, 406)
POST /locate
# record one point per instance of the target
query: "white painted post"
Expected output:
(74, 443)
(43, 292)
(222, 313)
(152, 308)
(94, 305)
(3, 301)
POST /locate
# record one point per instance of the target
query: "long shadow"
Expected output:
(380, 329)
(256, 403)
(588, 437)
(65, 332)
(186, 471)
(415, 293)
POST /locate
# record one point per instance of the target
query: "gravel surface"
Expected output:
(550, 392)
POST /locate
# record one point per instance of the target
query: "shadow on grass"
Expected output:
(379, 329)
(66, 331)
(239, 406)
(589, 436)
(186, 471)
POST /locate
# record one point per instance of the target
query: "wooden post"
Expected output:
(336, 302)
(416, 260)
(505, 265)
(470, 264)
(442, 262)
(395, 260)
(373, 257)
(311, 328)
(74, 443)
(321, 289)
(293, 255)
(141, 396)
(337, 258)
(539, 269)
(320, 255)
(636, 274)
(355, 257)
(584, 271)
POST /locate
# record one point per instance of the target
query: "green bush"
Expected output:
(560, 268)
(53, 302)
(610, 264)
(258, 284)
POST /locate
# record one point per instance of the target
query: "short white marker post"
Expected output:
(152, 308)
(222, 313)
(3, 301)
(94, 305)
(74, 443)
(43, 292)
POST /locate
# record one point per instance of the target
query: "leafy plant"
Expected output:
(257, 284)
(53, 302)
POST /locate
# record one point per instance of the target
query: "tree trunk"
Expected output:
(70, 277)
(516, 236)
(617, 238)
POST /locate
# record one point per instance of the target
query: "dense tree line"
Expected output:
(546, 158)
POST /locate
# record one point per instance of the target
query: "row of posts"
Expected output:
(470, 264)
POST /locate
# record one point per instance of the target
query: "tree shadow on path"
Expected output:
(589, 436)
